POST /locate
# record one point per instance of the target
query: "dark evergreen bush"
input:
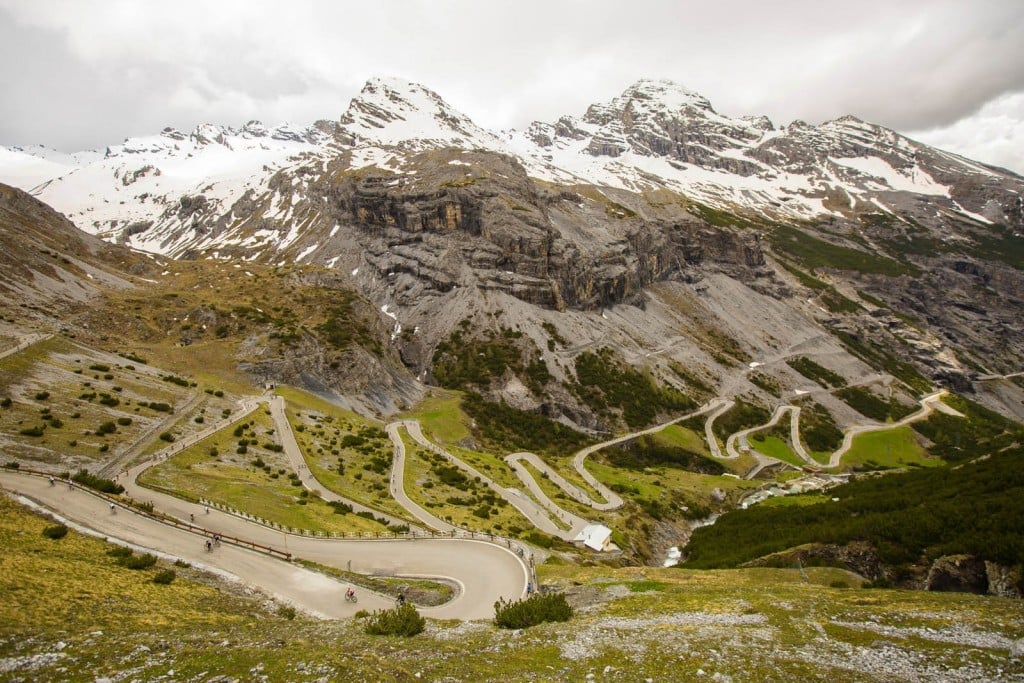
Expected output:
(86, 478)
(138, 561)
(56, 531)
(164, 576)
(401, 621)
(534, 610)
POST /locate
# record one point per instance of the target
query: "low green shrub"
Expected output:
(138, 561)
(164, 577)
(534, 610)
(86, 478)
(404, 620)
(55, 532)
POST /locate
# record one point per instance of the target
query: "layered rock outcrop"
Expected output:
(477, 219)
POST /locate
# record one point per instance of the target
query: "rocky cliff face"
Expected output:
(478, 219)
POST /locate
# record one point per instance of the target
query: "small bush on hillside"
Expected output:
(124, 421)
(120, 552)
(6, 402)
(56, 531)
(536, 609)
(86, 478)
(286, 612)
(340, 507)
(42, 395)
(401, 621)
(164, 577)
(167, 436)
(36, 430)
(138, 561)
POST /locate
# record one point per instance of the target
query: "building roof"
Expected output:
(595, 536)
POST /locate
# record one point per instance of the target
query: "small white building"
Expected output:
(596, 537)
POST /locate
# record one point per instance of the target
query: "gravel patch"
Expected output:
(958, 634)
(891, 662)
(620, 633)
(29, 662)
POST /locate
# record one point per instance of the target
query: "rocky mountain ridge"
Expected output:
(435, 221)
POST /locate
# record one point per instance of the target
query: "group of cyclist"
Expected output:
(214, 541)
(350, 596)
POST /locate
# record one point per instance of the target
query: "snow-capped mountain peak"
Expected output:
(392, 111)
(175, 191)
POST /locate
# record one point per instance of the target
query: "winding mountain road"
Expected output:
(928, 404)
(484, 571)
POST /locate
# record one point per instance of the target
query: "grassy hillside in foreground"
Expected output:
(71, 613)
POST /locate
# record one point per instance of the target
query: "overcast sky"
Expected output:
(82, 74)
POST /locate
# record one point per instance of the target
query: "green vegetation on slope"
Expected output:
(877, 357)
(888, 449)
(816, 373)
(870, 404)
(977, 509)
(743, 415)
(465, 362)
(506, 429)
(818, 429)
(648, 451)
(604, 383)
(814, 252)
(956, 439)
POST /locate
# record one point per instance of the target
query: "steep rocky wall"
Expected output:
(491, 228)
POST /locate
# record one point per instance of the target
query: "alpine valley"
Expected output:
(830, 307)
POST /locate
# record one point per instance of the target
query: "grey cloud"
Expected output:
(122, 70)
